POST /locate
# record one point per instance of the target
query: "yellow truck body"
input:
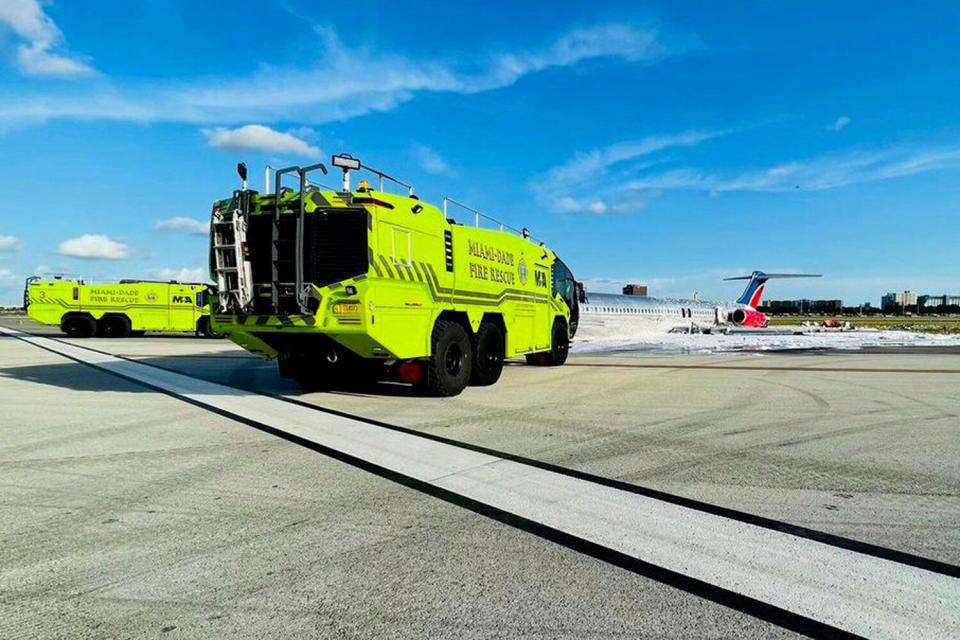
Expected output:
(382, 278)
(129, 307)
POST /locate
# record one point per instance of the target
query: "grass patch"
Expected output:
(926, 324)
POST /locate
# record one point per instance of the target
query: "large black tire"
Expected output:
(488, 353)
(559, 345)
(205, 329)
(450, 362)
(559, 348)
(78, 326)
(114, 326)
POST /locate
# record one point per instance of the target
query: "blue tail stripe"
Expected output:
(757, 278)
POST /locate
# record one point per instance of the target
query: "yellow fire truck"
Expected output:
(118, 310)
(339, 284)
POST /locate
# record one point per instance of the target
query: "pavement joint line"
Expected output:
(795, 582)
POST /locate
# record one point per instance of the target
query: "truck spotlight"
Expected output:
(417, 208)
(345, 161)
(350, 290)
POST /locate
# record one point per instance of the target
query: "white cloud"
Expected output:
(197, 227)
(344, 82)
(569, 204)
(601, 41)
(41, 54)
(839, 123)
(256, 137)
(182, 275)
(430, 160)
(7, 276)
(94, 247)
(815, 174)
(559, 186)
(9, 243)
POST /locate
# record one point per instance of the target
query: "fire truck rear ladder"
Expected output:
(234, 272)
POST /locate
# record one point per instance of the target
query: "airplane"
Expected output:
(607, 314)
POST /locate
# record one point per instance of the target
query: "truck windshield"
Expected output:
(563, 283)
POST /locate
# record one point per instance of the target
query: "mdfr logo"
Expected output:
(522, 271)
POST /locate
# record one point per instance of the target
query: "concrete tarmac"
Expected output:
(126, 513)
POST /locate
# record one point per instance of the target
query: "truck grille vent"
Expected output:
(335, 246)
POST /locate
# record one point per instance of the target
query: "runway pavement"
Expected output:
(129, 511)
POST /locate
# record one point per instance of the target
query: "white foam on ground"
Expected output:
(674, 343)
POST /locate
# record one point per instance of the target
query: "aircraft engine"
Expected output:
(747, 318)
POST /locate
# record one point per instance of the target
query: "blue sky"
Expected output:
(667, 143)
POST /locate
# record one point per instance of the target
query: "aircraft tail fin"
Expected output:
(753, 294)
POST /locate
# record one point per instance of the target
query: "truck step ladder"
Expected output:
(234, 272)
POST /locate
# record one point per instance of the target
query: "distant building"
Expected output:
(898, 301)
(635, 290)
(933, 302)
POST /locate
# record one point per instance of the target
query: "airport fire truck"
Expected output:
(340, 285)
(118, 310)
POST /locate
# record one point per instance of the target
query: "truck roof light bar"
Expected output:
(347, 162)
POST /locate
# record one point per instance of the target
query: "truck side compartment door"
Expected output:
(151, 314)
(183, 308)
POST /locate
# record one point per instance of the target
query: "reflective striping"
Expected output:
(797, 582)
(386, 266)
(416, 269)
(261, 321)
(373, 262)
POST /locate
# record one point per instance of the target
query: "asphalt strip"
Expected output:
(799, 583)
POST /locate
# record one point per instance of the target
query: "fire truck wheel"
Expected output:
(205, 329)
(449, 366)
(488, 351)
(113, 327)
(78, 326)
(559, 345)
